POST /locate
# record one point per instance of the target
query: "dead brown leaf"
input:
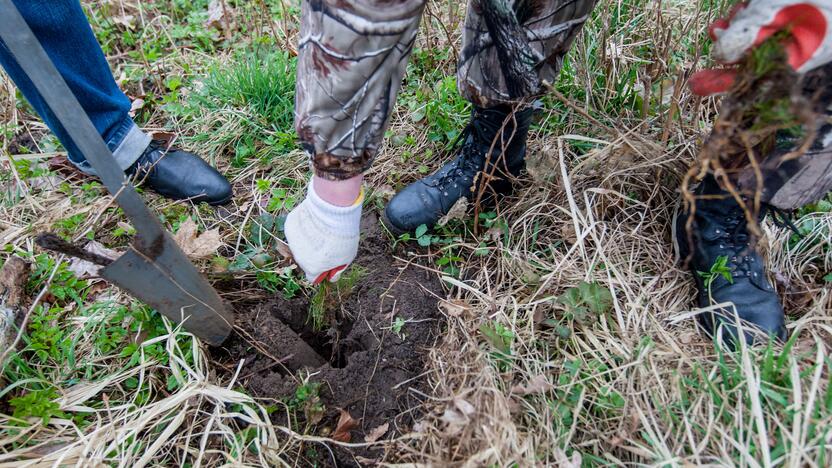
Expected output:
(197, 245)
(166, 137)
(564, 461)
(457, 211)
(537, 384)
(377, 433)
(346, 423)
(455, 307)
(466, 408)
(128, 21)
(135, 106)
(84, 269)
(217, 15)
(283, 249)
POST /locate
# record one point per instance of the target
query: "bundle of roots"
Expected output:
(766, 102)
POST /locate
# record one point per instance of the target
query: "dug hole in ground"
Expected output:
(368, 361)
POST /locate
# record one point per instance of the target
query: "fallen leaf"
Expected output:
(537, 384)
(346, 423)
(166, 137)
(564, 461)
(84, 269)
(457, 211)
(313, 410)
(61, 165)
(135, 106)
(454, 417)
(466, 408)
(283, 249)
(197, 245)
(217, 15)
(455, 307)
(567, 233)
(420, 426)
(541, 164)
(128, 21)
(376, 433)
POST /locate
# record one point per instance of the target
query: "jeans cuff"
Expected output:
(127, 143)
(131, 146)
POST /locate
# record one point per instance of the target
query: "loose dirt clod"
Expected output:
(374, 352)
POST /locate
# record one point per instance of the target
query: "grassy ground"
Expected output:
(569, 337)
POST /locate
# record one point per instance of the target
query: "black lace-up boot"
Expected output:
(429, 199)
(180, 175)
(720, 236)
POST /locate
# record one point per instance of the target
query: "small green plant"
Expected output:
(307, 399)
(274, 281)
(449, 258)
(46, 339)
(585, 301)
(719, 268)
(398, 326)
(501, 339)
(69, 226)
(328, 295)
(38, 404)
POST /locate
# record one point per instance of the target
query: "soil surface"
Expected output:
(365, 363)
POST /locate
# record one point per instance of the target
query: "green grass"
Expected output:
(244, 104)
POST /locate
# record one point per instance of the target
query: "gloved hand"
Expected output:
(323, 237)
(809, 45)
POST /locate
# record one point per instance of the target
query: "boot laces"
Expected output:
(734, 239)
(471, 157)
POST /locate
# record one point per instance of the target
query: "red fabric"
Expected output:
(328, 275)
(713, 81)
(807, 26)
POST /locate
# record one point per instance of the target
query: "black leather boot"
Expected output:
(427, 200)
(180, 175)
(720, 230)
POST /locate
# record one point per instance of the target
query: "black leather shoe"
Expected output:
(180, 175)
(720, 230)
(427, 200)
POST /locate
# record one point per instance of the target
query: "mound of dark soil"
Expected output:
(365, 362)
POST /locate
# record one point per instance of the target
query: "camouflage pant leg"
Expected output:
(511, 46)
(353, 54)
(795, 183)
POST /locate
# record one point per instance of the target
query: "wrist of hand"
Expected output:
(323, 237)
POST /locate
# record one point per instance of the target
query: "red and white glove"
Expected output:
(749, 24)
(323, 237)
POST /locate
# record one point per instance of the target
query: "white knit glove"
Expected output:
(809, 45)
(808, 22)
(323, 237)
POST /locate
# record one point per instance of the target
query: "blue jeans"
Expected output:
(63, 30)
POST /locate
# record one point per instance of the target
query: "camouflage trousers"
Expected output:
(352, 56)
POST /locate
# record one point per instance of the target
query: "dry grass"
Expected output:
(634, 385)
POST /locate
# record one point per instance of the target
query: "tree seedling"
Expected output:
(397, 327)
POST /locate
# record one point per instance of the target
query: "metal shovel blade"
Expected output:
(155, 270)
(170, 284)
